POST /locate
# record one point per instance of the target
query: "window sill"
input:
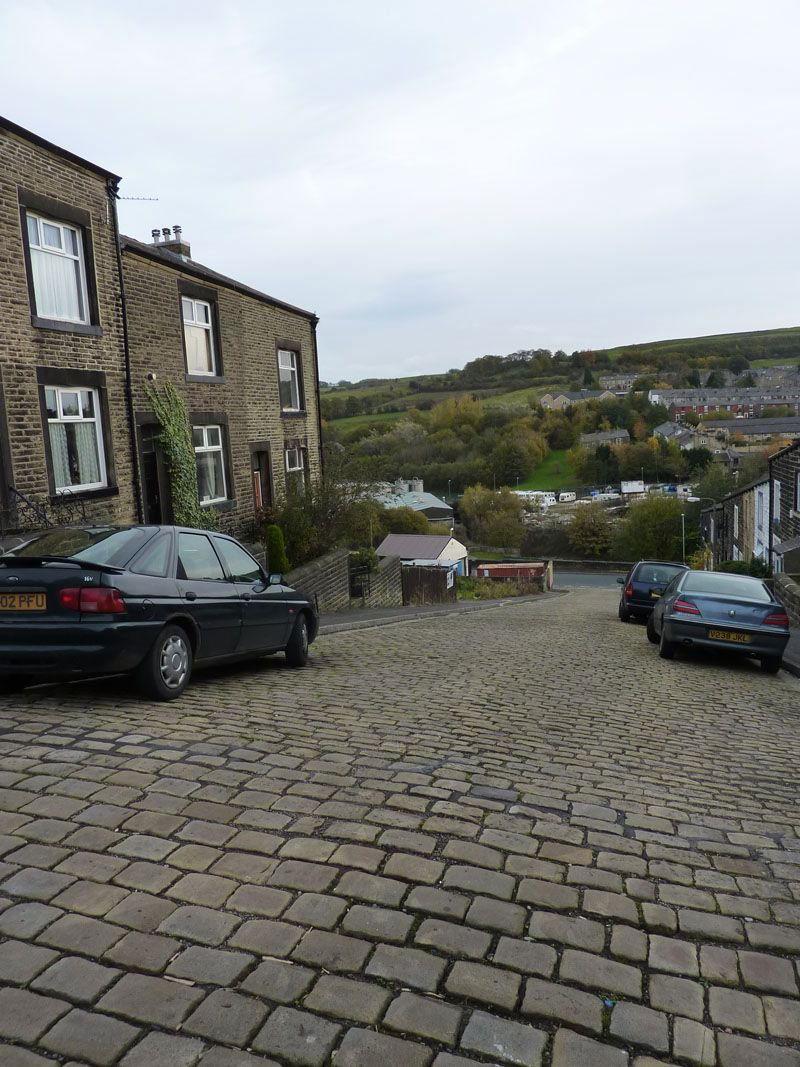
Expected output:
(86, 329)
(220, 505)
(289, 413)
(87, 494)
(212, 379)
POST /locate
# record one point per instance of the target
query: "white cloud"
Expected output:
(442, 180)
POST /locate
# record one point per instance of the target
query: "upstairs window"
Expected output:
(58, 270)
(198, 334)
(289, 380)
(76, 439)
(209, 454)
(295, 469)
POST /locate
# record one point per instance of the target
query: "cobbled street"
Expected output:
(513, 836)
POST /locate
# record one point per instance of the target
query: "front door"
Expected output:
(155, 486)
(262, 479)
(265, 610)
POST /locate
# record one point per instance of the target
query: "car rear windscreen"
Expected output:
(656, 573)
(735, 585)
(95, 545)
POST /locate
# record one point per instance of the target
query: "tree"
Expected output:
(504, 530)
(651, 530)
(277, 561)
(697, 459)
(715, 483)
(487, 511)
(589, 531)
(737, 364)
(404, 521)
(715, 380)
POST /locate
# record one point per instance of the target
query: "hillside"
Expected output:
(523, 375)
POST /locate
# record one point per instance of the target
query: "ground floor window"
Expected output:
(76, 439)
(295, 468)
(209, 454)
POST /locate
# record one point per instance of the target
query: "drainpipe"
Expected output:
(314, 322)
(113, 195)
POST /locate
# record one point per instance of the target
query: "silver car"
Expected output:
(726, 612)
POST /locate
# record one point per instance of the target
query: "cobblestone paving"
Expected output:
(514, 836)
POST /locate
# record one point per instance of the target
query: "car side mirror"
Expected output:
(275, 579)
(620, 581)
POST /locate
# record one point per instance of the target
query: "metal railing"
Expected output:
(23, 513)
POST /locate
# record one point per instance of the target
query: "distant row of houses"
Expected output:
(760, 520)
(750, 401)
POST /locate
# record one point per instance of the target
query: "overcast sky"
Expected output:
(439, 179)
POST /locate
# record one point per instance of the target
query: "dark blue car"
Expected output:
(151, 601)
(644, 584)
(723, 612)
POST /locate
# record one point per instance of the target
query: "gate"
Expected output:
(428, 585)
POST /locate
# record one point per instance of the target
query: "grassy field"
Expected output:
(381, 419)
(555, 473)
(785, 362)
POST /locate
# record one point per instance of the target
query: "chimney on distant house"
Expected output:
(167, 240)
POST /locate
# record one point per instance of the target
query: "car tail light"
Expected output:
(98, 600)
(629, 589)
(777, 618)
(685, 607)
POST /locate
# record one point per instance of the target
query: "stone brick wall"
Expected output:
(784, 467)
(28, 167)
(325, 580)
(385, 586)
(788, 592)
(247, 392)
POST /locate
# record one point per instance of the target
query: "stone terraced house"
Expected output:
(92, 318)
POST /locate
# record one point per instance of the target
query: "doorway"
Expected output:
(155, 483)
(261, 474)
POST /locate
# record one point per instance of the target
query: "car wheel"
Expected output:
(770, 664)
(624, 614)
(13, 683)
(297, 649)
(652, 636)
(666, 649)
(166, 669)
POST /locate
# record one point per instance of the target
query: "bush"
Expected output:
(277, 561)
(652, 530)
(484, 589)
(755, 568)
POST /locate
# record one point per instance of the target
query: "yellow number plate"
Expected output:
(23, 601)
(654, 594)
(730, 635)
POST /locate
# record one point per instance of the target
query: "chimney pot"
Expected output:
(177, 232)
(156, 235)
(166, 232)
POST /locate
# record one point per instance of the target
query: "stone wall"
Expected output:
(788, 592)
(326, 581)
(244, 398)
(43, 181)
(386, 585)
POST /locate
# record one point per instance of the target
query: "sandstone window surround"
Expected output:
(290, 386)
(59, 263)
(78, 446)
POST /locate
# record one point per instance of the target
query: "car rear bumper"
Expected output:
(56, 650)
(761, 643)
(639, 607)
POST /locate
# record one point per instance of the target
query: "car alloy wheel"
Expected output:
(174, 661)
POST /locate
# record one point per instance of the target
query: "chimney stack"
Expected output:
(167, 240)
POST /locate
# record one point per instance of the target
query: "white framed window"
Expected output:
(760, 508)
(75, 433)
(776, 500)
(289, 380)
(58, 269)
(295, 468)
(198, 334)
(212, 484)
(735, 520)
